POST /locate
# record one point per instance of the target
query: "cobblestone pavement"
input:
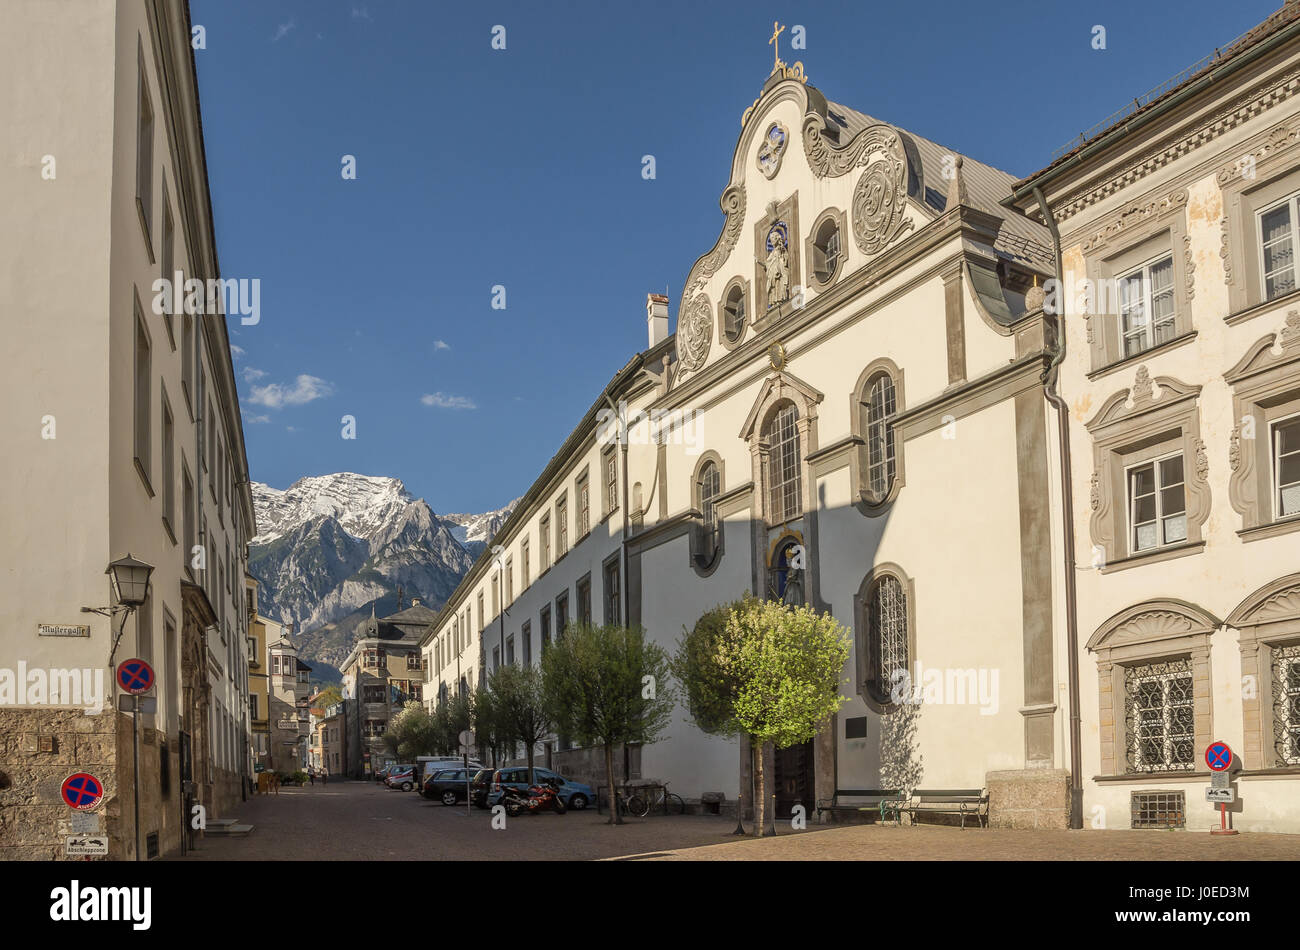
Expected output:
(360, 820)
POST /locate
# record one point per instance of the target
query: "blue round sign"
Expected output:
(1218, 756)
(135, 676)
(81, 791)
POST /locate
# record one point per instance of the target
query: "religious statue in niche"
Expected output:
(777, 265)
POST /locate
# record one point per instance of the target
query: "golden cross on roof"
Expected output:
(777, 30)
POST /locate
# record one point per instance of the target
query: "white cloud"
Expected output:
(441, 345)
(283, 29)
(445, 401)
(304, 389)
(237, 351)
(361, 13)
(252, 375)
(254, 420)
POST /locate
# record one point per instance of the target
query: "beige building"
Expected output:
(1177, 228)
(382, 673)
(259, 683)
(862, 372)
(289, 706)
(126, 420)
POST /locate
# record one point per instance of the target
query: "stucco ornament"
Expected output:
(772, 150)
(777, 265)
(695, 334)
(733, 206)
(878, 204)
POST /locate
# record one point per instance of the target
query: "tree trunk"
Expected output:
(760, 793)
(614, 817)
(532, 779)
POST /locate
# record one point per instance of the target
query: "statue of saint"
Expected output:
(778, 268)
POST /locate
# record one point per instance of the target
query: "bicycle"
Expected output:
(655, 796)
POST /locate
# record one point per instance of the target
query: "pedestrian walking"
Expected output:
(311, 776)
(325, 776)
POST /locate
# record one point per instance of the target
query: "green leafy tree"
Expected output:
(329, 696)
(410, 733)
(607, 685)
(520, 707)
(790, 664)
(707, 665)
(490, 730)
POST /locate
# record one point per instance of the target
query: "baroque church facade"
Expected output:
(868, 405)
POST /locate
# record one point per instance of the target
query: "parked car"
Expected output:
(402, 777)
(446, 785)
(380, 774)
(479, 785)
(574, 794)
(429, 764)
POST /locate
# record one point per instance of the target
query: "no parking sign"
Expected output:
(135, 676)
(82, 791)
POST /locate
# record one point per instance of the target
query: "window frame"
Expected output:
(1130, 470)
(142, 394)
(167, 420)
(1292, 203)
(145, 128)
(1276, 473)
(822, 278)
(1143, 272)
(870, 687)
(775, 434)
(737, 286)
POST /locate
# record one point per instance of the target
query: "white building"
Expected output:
(122, 422)
(862, 366)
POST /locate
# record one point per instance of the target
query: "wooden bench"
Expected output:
(949, 801)
(868, 799)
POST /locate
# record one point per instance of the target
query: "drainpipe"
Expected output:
(623, 593)
(1049, 379)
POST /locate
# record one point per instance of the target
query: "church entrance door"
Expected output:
(793, 781)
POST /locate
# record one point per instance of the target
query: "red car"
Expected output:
(401, 776)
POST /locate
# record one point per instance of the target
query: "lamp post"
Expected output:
(129, 579)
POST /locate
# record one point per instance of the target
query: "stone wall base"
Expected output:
(1029, 798)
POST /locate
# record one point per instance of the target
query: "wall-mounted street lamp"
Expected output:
(129, 578)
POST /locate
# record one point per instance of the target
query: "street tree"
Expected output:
(789, 666)
(520, 707)
(608, 686)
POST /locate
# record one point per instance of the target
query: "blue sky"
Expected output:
(521, 167)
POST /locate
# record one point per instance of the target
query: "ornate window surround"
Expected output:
(1138, 235)
(1124, 435)
(811, 248)
(781, 387)
(1265, 388)
(1147, 633)
(859, 461)
(874, 694)
(697, 514)
(1268, 618)
(723, 299)
(1275, 176)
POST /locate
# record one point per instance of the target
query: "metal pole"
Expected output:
(135, 768)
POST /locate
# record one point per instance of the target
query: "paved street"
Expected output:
(366, 821)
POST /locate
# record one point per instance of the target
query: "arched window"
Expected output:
(708, 485)
(879, 408)
(887, 636)
(784, 498)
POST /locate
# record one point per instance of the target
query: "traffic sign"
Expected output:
(135, 676)
(82, 791)
(1218, 756)
(1220, 780)
(140, 704)
(79, 846)
(1213, 794)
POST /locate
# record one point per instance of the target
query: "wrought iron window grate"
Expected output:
(1159, 717)
(1286, 704)
(1158, 810)
(888, 627)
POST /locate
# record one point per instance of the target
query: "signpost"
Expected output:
(466, 740)
(1218, 756)
(135, 676)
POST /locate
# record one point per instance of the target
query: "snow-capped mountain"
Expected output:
(475, 531)
(331, 546)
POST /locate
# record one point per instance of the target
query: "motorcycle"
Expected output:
(539, 798)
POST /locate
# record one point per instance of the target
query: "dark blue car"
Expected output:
(574, 794)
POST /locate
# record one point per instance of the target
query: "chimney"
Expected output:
(656, 318)
(415, 601)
